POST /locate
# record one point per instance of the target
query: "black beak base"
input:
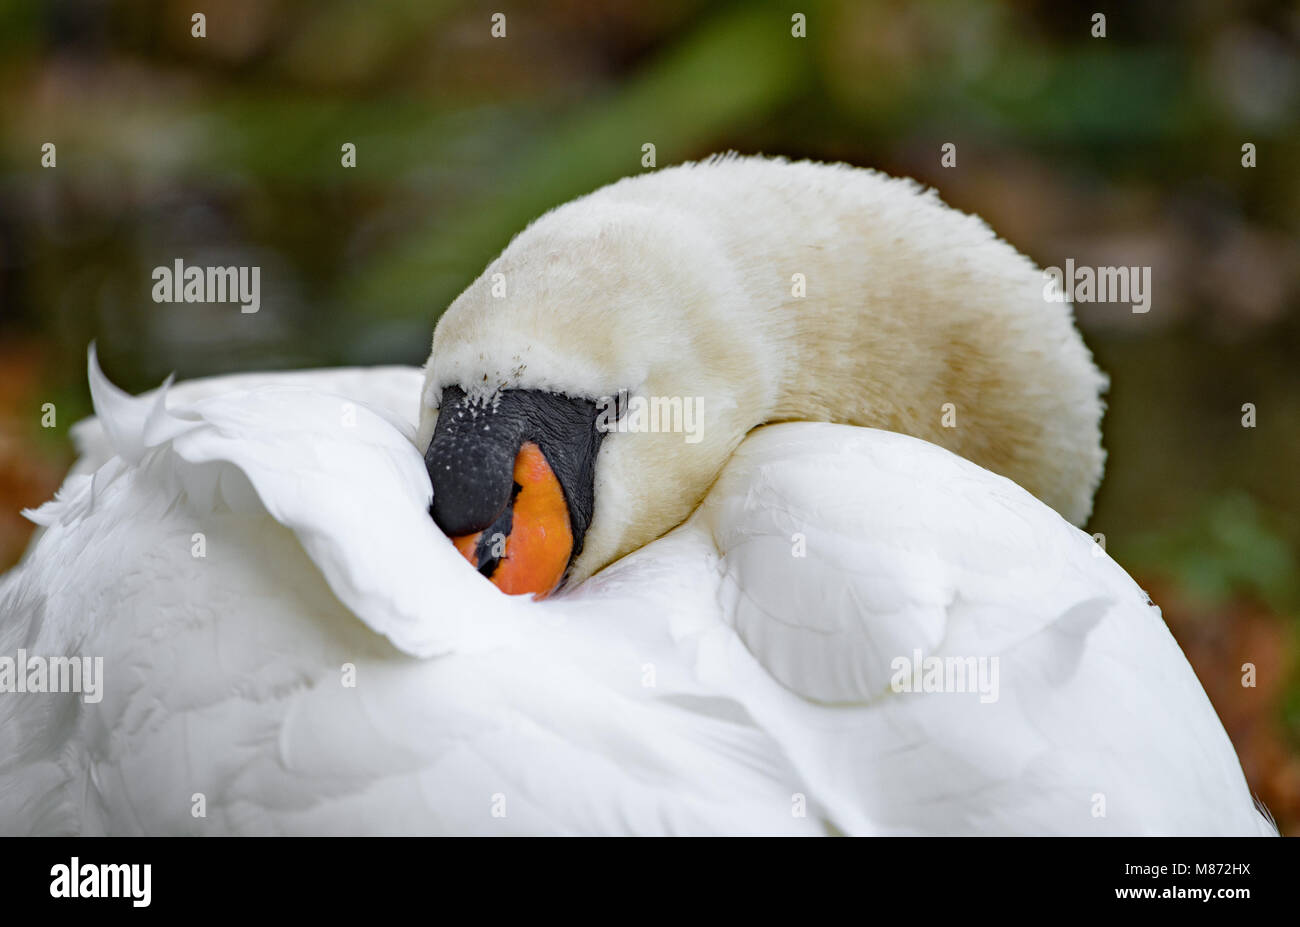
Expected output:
(472, 456)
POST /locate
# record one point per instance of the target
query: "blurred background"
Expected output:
(1118, 150)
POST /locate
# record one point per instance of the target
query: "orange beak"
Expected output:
(535, 554)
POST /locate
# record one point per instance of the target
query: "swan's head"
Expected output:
(584, 392)
(686, 288)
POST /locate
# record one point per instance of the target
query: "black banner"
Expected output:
(328, 875)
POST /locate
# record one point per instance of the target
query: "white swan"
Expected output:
(220, 541)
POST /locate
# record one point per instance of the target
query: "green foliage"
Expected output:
(1227, 548)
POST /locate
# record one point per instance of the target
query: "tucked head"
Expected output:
(713, 298)
(589, 315)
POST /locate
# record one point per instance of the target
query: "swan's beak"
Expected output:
(528, 548)
(513, 481)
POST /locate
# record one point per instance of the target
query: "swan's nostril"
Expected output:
(486, 549)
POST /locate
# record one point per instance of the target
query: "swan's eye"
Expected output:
(513, 479)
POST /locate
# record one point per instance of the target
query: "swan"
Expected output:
(728, 635)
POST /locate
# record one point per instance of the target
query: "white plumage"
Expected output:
(709, 683)
(291, 646)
